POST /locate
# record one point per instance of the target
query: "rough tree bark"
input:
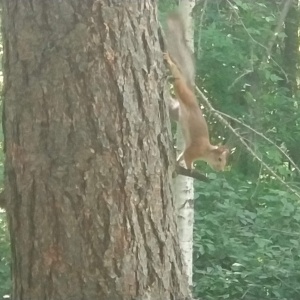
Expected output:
(87, 152)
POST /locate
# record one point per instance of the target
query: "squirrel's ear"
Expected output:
(223, 149)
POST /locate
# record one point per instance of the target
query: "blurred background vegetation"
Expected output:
(247, 229)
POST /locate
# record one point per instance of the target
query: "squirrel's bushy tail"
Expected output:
(178, 48)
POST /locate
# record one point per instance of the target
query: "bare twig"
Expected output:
(191, 173)
(287, 285)
(239, 78)
(245, 293)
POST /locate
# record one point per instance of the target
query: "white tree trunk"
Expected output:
(184, 186)
(186, 7)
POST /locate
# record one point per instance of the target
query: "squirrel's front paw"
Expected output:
(167, 58)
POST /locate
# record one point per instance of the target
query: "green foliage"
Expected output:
(233, 66)
(246, 241)
(246, 236)
(5, 282)
(247, 225)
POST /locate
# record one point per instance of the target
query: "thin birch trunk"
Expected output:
(184, 186)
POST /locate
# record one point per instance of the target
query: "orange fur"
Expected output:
(194, 126)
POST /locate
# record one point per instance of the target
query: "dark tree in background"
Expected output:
(291, 46)
(291, 65)
(87, 170)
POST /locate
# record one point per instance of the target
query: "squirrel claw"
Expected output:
(167, 58)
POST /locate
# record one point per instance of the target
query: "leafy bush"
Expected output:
(246, 241)
(5, 281)
(246, 236)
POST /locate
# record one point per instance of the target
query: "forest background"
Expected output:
(246, 235)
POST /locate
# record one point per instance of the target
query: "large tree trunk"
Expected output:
(87, 159)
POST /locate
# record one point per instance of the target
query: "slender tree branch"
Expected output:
(191, 173)
(246, 292)
(242, 141)
(239, 78)
(287, 285)
(261, 135)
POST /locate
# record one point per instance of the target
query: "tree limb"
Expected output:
(262, 136)
(191, 173)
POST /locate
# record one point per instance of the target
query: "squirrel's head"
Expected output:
(217, 158)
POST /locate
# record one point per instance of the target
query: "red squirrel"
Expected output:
(190, 117)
